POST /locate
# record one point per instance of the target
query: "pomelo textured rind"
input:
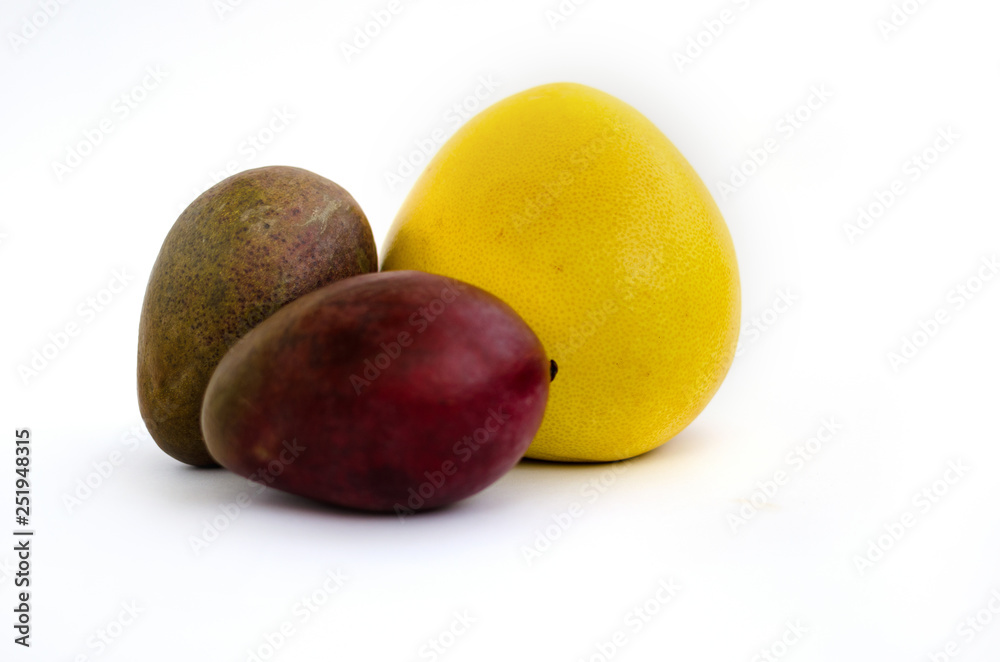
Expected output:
(576, 210)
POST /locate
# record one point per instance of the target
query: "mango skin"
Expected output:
(238, 253)
(329, 400)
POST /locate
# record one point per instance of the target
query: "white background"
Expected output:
(668, 515)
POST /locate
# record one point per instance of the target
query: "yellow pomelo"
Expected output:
(575, 209)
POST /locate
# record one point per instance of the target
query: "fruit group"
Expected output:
(244, 248)
(575, 209)
(387, 392)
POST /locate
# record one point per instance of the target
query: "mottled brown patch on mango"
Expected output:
(244, 248)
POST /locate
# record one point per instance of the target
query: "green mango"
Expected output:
(238, 253)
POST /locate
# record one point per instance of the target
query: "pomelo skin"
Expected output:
(577, 210)
(240, 251)
(392, 392)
